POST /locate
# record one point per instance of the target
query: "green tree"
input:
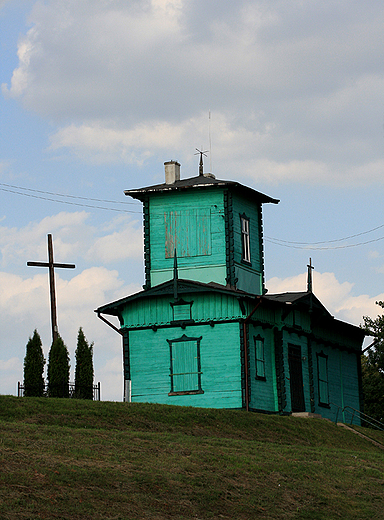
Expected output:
(372, 365)
(84, 368)
(33, 367)
(58, 369)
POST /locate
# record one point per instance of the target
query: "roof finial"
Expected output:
(309, 279)
(201, 168)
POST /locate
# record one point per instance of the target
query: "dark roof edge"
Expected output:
(197, 182)
(160, 291)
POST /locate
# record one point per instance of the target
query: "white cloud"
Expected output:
(24, 298)
(24, 306)
(112, 377)
(11, 364)
(295, 92)
(73, 238)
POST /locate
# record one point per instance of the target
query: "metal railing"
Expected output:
(363, 417)
(72, 394)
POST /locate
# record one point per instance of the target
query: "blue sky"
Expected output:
(96, 96)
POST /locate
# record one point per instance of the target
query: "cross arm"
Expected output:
(47, 264)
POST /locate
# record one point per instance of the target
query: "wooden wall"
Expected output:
(250, 277)
(175, 221)
(220, 366)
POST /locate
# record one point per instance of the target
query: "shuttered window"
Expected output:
(259, 357)
(185, 369)
(322, 370)
(181, 311)
(188, 232)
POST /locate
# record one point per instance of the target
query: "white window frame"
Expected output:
(245, 238)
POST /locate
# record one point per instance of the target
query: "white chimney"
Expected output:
(172, 172)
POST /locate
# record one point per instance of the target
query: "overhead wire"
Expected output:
(329, 241)
(315, 246)
(323, 248)
(8, 186)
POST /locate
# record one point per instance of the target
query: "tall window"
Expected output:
(185, 369)
(259, 357)
(245, 238)
(322, 371)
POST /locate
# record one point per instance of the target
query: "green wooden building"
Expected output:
(205, 332)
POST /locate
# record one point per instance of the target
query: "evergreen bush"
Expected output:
(33, 367)
(84, 368)
(58, 369)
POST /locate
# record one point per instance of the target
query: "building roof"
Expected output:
(307, 299)
(303, 300)
(183, 287)
(205, 181)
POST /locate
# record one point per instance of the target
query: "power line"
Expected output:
(276, 241)
(65, 201)
(310, 247)
(62, 195)
(327, 241)
(70, 203)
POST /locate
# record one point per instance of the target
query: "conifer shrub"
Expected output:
(58, 369)
(33, 367)
(84, 367)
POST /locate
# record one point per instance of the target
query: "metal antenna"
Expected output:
(201, 168)
(210, 144)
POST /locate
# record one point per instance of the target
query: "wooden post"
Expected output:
(51, 266)
(309, 277)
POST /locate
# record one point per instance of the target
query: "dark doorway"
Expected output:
(296, 378)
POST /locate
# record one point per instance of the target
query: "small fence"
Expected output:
(349, 414)
(72, 393)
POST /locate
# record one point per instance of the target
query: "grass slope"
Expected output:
(69, 459)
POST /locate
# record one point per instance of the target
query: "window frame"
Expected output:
(258, 340)
(197, 373)
(245, 226)
(322, 381)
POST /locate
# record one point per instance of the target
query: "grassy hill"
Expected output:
(70, 459)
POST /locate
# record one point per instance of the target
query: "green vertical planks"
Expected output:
(220, 366)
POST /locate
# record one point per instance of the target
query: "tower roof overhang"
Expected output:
(200, 182)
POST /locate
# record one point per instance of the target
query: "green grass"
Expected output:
(68, 459)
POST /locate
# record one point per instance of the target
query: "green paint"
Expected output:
(191, 354)
(220, 367)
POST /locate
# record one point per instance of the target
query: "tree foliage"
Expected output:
(373, 367)
(33, 367)
(84, 368)
(58, 369)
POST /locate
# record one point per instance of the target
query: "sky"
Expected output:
(287, 97)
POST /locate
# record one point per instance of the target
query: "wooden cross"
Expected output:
(51, 266)
(309, 280)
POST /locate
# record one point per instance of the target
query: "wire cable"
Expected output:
(70, 203)
(62, 195)
(324, 248)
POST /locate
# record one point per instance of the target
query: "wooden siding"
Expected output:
(249, 276)
(343, 380)
(205, 307)
(188, 231)
(220, 366)
(263, 393)
(193, 222)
